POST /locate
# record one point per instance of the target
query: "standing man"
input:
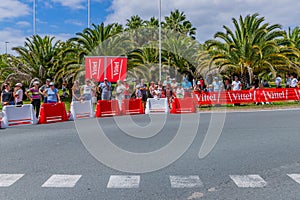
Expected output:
(278, 81)
(43, 88)
(236, 84)
(217, 85)
(294, 81)
(105, 88)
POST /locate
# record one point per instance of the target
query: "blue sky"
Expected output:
(64, 18)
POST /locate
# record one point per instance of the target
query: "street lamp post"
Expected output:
(34, 17)
(89, 13)
(6, 47)
(159, 38)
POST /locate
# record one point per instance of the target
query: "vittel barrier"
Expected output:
(18, 115)
(132, 106)
(81, 109)
(157, 105)
(186, 105)
(107, 108)
(53, 112)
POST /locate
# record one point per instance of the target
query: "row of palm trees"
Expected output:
(253, 46)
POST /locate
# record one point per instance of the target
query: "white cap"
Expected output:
(35, 83)
(19, 84)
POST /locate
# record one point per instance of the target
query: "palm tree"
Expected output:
(37, 58)
(253, 44)
(177, 22)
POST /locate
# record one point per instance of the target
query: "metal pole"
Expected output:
(34, 17)
(6, 47)
(89, 13)
(159, 38)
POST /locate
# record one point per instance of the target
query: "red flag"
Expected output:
(116, 68)
(94, 68)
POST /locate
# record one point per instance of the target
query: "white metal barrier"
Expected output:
(81, 109)
(157, 105)
(18, 115)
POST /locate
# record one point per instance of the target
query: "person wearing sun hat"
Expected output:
(18, 94)
(35, 97)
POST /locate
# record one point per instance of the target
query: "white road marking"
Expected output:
(62, 181)
(248, 181)
(185, 181)
(123, 181)
(7, 180)
(295, 177)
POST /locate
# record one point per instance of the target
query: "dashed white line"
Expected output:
(185, 181)
(295, 177)
(7, 180)
(62, 181)
(248, 181)
(123, 181)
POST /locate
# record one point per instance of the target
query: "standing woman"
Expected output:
(7, 97)
(52, 94)
(120, 89)
(18, 94)
(76, 92)
(35, 97)
(87, 90)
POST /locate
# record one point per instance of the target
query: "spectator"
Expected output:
(255, 82)
(7, 97)
(138, 93)
(187, 87)
(169, 93)
(294, 81)
(43, 88)
(52, 94)
(35, 97)
(179, 92)
(202, 83)
(76, 92)
(166, 81)
(64, 90)
(287, 81)
(87, 90)
(120, 89)
(236, 84)
(126, 92)
(174, 85)
(105, 88)
(18, 94)
(151, 90)
(143, 89)
(217, 85)
(197, 87)
(278, 81)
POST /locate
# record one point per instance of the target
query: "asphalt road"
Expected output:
(256, 157)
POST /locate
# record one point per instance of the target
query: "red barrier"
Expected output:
(186, 105)
(132, 106)
(247, 96)
(53, 112)
(107, 108)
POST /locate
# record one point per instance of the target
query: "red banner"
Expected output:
(247, 96)
(116, 68)
(94, 68)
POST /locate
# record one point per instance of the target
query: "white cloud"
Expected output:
(208, 16)
(73, 4)
(14, 37)
(74, 22)
(23, 24)
(12, 9)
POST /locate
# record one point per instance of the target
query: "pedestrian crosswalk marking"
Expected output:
(7, 180)
(123, 181)
(62, 181)
(248, 181)
(185, 181)
(295, 177)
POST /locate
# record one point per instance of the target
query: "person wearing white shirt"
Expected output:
(236, 84)
(294, 81)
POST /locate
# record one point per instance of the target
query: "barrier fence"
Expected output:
(247, 96)
(53, 112)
